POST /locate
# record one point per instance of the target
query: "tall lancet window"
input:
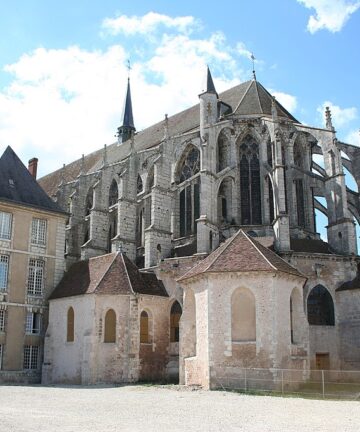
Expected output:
(250, 182)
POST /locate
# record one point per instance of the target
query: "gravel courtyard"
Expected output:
(141, 408)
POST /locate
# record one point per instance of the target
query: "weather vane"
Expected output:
(253, 64)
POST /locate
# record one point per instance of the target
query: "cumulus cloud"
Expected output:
(61, 103)
(288, 101)
(353, 137)
(148, 23)
(331, 15)
(340, 116)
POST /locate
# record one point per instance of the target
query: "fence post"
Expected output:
(323, 383)
(282, 381)
(245, 381)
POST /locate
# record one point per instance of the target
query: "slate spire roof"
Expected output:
(127, 117)
(17, 185)
(113, 273)
(210, 87)
(241, 253)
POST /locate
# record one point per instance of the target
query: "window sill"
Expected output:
(249, 342)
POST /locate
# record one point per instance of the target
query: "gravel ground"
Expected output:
(171, 408)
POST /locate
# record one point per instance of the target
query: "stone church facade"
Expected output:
(217, 203)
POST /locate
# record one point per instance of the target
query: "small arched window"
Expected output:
(175, 316)
(110, 326)
(113, 193)
(144, 327)
(320, 307)
(70, 330)
(190, 165)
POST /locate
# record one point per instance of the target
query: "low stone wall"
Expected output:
(20, 377)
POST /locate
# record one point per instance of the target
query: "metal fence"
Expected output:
(331, 384)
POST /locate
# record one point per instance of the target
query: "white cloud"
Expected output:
(353, 138)
(329, 14)
(148, 23)
(61, 103)
(340, 116)
(288, 101)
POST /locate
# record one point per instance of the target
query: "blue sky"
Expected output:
(63, 65)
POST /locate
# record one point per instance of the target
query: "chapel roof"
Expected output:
(18, 186)
(113, 273)
(241, 253)
(248, 98)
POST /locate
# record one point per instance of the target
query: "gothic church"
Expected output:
(192, 247)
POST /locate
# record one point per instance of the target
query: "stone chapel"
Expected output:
(192, 247)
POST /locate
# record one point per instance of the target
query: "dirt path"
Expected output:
(140, 408)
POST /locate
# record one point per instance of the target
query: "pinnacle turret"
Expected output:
(210, 87)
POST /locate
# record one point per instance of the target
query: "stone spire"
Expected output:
(126, 130)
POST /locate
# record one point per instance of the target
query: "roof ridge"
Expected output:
(253, 242)
(105, 273)
(224, 249)
(245, 93)
(258, 96)
(127, 273)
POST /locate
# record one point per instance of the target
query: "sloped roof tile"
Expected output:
(241, 253)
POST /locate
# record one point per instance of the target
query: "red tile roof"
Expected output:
(241, 253)
(113, 273)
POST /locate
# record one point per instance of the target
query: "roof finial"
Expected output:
(128, 67)
(105, 155)
(253, 64)
(166, 127)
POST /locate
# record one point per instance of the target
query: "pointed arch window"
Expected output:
(320, 307)
(175, 315)
(144, 327)
(139, 185)
(250, 189)
(110, 326)
(70, 330)
(190, 165)
(113, 193)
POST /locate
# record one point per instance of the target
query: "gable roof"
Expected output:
(17, 185)
(248, 98)
(113, 273)
(241, 253)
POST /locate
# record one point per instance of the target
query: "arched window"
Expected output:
(250, 182)
(223, 150)
(139, 185)
(110, 326)
(113, 193)
(243, 316)
(175, 316)
(89, 201)
(70, 328)
(144, 327)
(140, 230)
(225, 201)
(190, 195)
(190, 164)
(320, 307)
